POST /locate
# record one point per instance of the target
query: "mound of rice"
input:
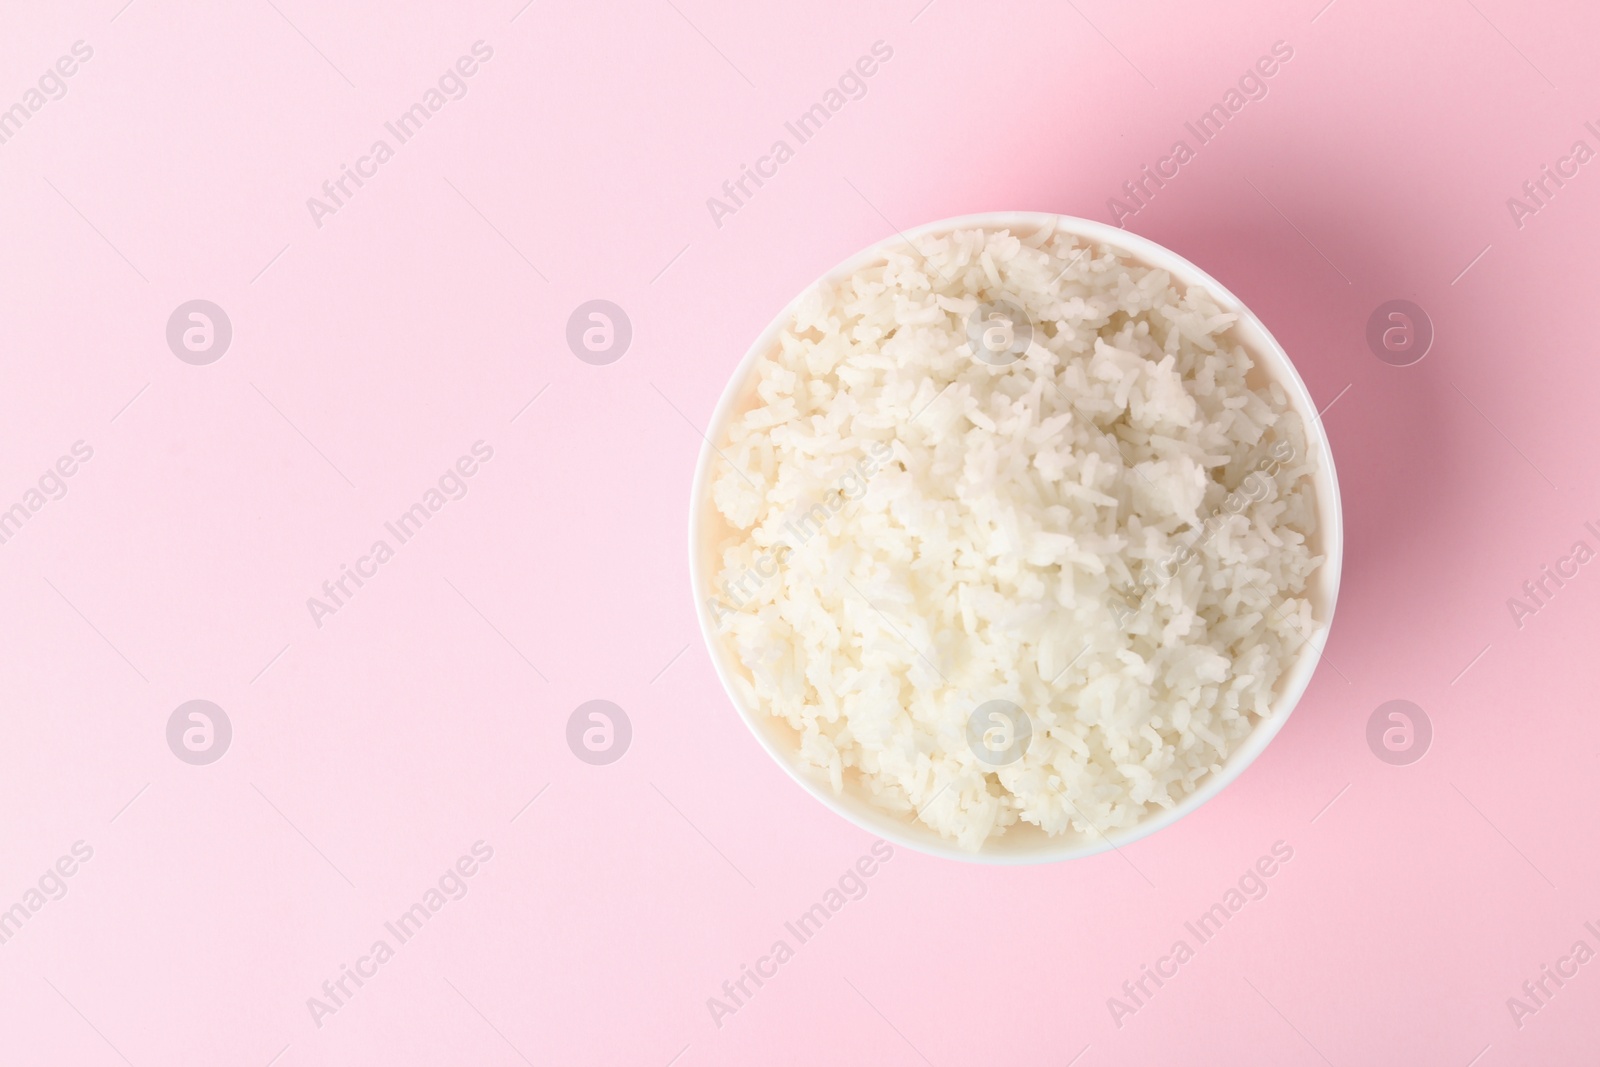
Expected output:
(1106, 530)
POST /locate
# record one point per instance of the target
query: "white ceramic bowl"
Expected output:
(1024, 843)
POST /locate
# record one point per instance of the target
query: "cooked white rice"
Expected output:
(917, 532)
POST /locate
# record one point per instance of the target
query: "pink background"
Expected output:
(368, 354)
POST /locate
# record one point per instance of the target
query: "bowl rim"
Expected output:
(1264, 347)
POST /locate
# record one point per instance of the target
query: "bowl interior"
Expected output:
(1025, 843)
